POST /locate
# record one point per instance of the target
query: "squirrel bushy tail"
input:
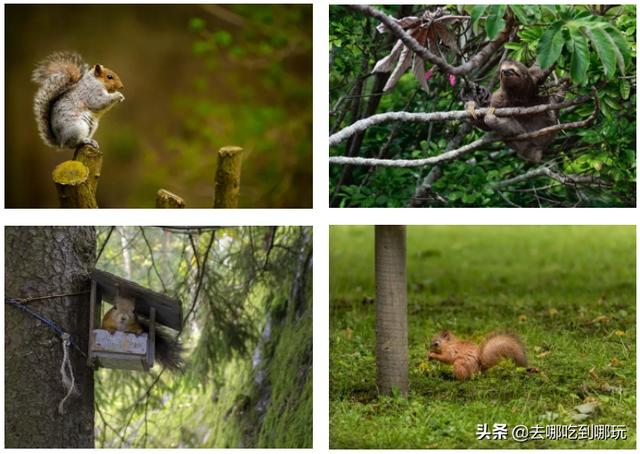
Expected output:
(54, 75)
(499, 346)
(168, 348)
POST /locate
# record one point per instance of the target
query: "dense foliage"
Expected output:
(538, 281)
(592, 46)
(246, 296)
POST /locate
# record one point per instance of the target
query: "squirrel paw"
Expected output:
(120, 97)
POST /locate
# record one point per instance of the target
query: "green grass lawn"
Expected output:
(568, 291)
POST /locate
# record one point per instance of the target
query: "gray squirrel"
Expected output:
(71, 98)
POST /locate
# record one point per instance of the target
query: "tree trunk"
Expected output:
(41, 261)
(392, 351)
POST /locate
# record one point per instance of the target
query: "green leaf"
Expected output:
(604, 48)
(621, 45)
(495, 21)
(476, 12)
(550, 45)
(625, 89)
(579, 58)
(612, 103)
(530, 34)
(469, 198)
(520, 13)
(513, 46)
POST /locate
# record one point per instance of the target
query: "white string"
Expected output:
(66, 371)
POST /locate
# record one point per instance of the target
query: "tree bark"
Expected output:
(41, 261)
(392, 349)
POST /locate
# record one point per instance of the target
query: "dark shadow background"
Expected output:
(196, 77)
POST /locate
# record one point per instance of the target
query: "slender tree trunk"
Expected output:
(42, 261)
(126, 256)
(392, 350)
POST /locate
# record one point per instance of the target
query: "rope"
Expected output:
(66, 372)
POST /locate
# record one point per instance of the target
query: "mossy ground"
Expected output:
(568, 291)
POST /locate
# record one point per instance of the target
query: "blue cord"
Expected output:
(55, 328)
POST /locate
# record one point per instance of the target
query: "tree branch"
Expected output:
(477, 60)
(547, 172)
(411, 117)
(447, 156)
(454, 154)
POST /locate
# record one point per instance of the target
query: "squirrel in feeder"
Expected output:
(71, 98)
(121, 317)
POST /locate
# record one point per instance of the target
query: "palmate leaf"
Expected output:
(387, 63)
(550, 45)
(428, 34)
(476, 12)
(404, 62)
(621, 43)
(405, 22)
(604, 47)
(418, 72)
(495, 21)
(520, 12)
(579, 57)
(439, 31)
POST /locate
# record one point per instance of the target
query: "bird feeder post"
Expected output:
(95, 312)
(152, 338)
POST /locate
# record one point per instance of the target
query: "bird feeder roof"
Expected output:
(168, 310)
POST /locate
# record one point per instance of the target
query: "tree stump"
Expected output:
(77, 180)
(227, 184)
(72, 183)
(166, 199)
(92, 159)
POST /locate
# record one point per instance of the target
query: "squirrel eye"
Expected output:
(109, 76)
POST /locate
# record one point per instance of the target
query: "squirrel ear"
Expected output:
(98, 70)
(445, 333)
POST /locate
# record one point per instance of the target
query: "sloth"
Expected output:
(519, 88)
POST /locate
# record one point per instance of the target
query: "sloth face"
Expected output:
(514, 76)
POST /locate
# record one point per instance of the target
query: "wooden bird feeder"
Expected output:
(127, 350)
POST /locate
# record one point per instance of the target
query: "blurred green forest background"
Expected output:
(246, 296)
(196, 77)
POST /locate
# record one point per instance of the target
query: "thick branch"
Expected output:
(454, 154)
(447, 156)
(474, 62)
(555, 128)
(373, 120)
